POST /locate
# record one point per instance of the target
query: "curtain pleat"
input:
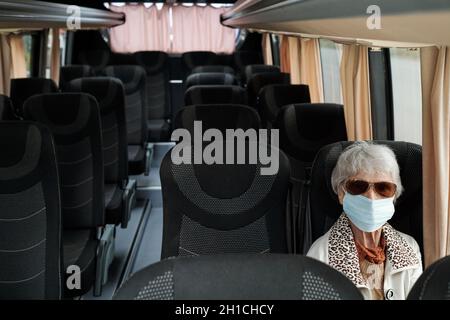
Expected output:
(285, 60)
(18, 63)
(267, 49)
(435, 65)
(55, 58)
(5, 65)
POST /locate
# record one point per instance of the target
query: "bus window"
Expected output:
(27, 43)
(407, 94)
(330, 54)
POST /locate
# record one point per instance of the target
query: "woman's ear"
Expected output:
(341, 194)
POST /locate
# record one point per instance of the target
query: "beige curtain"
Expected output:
(55, 58)
(18, 63)
(285, 61)
(5, 64)
(435, 64)
(354, 71)
(311, 68)
(267, 49)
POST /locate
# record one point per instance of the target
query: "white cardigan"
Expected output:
(403, 260)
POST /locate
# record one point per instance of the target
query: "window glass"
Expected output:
(27, 45)
(407, 94)
(330, 55)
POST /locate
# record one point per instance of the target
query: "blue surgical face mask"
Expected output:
(367, 214)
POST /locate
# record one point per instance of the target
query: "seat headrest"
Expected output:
(325, 207)
(132, 77)
(215, 94)
(211, 78)
(245, 58)
(275, 96)
(239, 277)
(253, 69)
(152, 61)
(307, 127)
(434, 283)
(193, 59)
(23, 88)
(213, 68)
(71, 72)
(108, 91)
(217, 116)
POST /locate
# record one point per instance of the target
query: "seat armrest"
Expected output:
(128, 201)
(148, 157)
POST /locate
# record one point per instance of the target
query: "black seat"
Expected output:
(71, 72)
(119, 190)
(239, 277)
(275, 96)
(30, 213)
(212, 94)
(194, 59)
(24, 88)
(214, 69)
(156, 65)
(217, 116)
(74, 121)
(304, 129)
(253, 69)
(211, 78)
(6, 108)
(434, 283)
(244, 58)
(224, 208)
(133, 79)
(324, 205)
(258, 81)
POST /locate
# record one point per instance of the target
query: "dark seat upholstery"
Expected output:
(275, 96)
(133, 79)
(223, 208)
(253, 69)
(212, 94)
(194, 59)
(211, 78)
(244, 58)
(156, 65)
(304, 129)
(6, 108)
(258, 81)
(30, 223)
(434, 283)
(23, 88)
(214, 69)
(74, 120)
(325, 207)
(71, 72)
(217, 116)
(239, 277)
(119, 191)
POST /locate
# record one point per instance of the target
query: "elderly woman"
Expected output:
(381, 261)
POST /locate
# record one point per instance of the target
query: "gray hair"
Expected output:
(369, 158)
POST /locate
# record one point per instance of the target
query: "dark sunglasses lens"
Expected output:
(356, 187)
(386, 189)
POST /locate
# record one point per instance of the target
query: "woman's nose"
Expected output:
(371, 194)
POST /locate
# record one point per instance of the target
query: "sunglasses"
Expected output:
(357, 187)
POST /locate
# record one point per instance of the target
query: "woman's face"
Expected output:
(369, 177)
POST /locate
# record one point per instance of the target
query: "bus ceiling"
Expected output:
(27, 14)
(384, 23)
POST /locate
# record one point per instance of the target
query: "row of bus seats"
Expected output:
(82, 135)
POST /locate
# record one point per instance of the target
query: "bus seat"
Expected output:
(194, 59)
(324, 205)
(74, 120)
(215, 94)
(210, 78)
(133, 79)
(239, 277)
(253, 69)
(224, 208)
(159, 113)
(30, 213)
(23, 88)
(214, 69)
(275, 96)
(244, 58)
(119, 190)
(434, 283)
(260, 80)
(71, 72)
(6, 108)
(304, 129)
(217, 116)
